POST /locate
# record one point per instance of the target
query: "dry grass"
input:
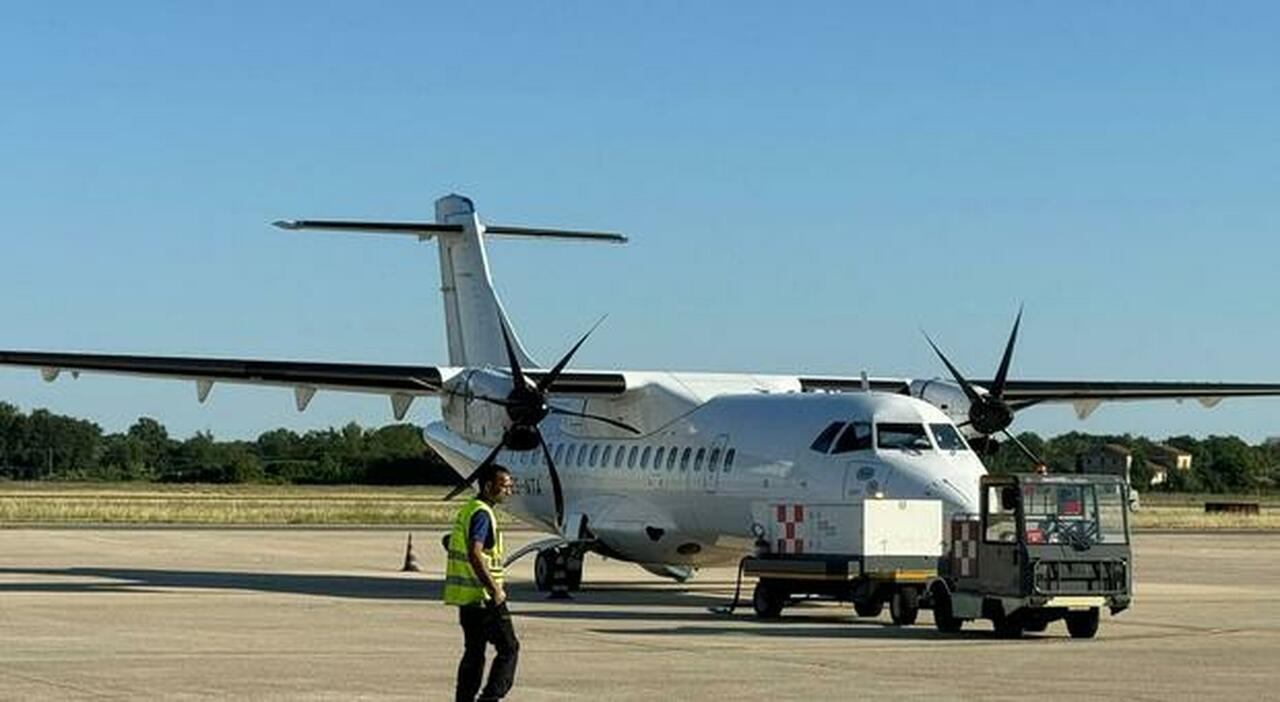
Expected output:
(1187, 512)
(230, 505)
(28, 503)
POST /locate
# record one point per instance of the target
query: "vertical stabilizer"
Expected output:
(472, 311)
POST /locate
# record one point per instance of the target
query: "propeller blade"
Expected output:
(476, 473)
(555, 371)
(557, 492)
(612, 422)
(969, 392)
(517, 375)
(997, 386)
(1029, 453)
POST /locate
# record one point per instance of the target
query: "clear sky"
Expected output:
(806, 187)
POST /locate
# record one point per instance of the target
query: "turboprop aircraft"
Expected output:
(669, 470)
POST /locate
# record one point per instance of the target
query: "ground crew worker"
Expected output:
(473, 582)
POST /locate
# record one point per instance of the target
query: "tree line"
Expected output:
(1218, 463)
(45, 446)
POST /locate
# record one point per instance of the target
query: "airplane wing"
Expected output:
(1084, 395)
(401, 382)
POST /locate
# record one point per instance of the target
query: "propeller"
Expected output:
(526, 407)
(989, 413)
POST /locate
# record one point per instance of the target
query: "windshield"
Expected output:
(909, 437)
(947, 438)
(1078, 515)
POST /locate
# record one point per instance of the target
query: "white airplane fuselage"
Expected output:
(713, 450)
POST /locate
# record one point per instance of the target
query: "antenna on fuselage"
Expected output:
(866, 382)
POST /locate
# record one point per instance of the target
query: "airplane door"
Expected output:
(712, 464)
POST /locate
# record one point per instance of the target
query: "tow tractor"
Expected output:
(1042, 548)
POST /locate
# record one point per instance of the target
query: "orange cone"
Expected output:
(411, 564)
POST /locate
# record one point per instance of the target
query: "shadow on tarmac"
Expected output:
(145, 580)
(605, 603)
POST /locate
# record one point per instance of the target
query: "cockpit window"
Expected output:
(910, 437)
(947, 438)
(823, 442)
(856, 437)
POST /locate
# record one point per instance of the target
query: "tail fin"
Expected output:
(473, 313)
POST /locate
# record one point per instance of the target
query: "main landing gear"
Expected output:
(558, 569)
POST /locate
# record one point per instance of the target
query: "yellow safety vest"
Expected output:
(461, 586)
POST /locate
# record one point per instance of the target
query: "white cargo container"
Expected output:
(885, 527)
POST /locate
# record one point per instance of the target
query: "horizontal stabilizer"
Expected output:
(426, 230)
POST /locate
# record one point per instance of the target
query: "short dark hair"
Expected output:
(491, 473)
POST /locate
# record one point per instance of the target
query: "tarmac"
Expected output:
(326, 615)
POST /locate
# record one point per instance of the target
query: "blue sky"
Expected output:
(805, 189)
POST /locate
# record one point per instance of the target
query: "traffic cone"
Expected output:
(411, 564)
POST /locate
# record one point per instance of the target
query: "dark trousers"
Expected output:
(481, 625)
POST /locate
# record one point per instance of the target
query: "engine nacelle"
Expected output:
(477, 420)
(948, 397)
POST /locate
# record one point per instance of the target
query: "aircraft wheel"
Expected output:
(905, 606)
(767, 600)
(542, 566)
(573, 573)
(1083, 625)
(868, 608)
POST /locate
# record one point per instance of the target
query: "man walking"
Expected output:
(473, 582)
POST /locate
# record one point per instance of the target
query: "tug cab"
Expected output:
(1043, 548)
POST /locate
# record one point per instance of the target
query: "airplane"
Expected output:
(664, 469)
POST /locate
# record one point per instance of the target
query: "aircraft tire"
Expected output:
(542, 566)
(767, 600)
(573, 574)
(1083, 625)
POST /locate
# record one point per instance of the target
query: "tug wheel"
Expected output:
(868, 608)
(904, 606)
(943, 614)
(1083, 625)
(767, 599)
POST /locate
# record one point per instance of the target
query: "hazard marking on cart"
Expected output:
(964, 546)
(789, 518)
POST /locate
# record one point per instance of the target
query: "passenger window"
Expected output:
(728, 459)
(671, 458)
(559, 453)
(570, 455)
(657, 457)
(684, 459)
(582, 455)
(856, 437)
(631, 457)
(595, 452)
(715, 459)
(823, 442)
(697, 460)
(608, 453)
(644, 457)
